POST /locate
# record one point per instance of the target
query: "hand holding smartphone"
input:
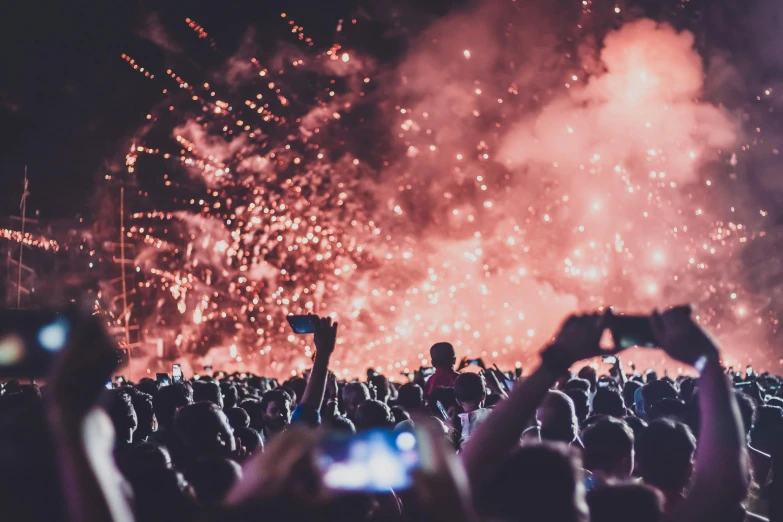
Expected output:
(631, 330)
(302, 324)
(371, 461)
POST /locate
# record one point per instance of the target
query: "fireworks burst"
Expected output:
(492, 181)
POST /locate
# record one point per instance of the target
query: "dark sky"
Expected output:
(68, 100)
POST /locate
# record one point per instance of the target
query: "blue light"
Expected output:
(53, 336)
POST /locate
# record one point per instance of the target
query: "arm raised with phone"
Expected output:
(325, 338)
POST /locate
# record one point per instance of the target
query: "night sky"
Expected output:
(68, 101)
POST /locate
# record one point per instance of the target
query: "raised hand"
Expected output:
(325, 335)
(579, 339)
(680, 337)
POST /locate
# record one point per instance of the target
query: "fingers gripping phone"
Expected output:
(302, 324)
(370, 461)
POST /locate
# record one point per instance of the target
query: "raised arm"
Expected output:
(721, 470)
(325, 338)
(578, 339)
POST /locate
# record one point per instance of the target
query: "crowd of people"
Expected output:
(552, 445)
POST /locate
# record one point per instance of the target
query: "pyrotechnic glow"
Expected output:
(494, 211)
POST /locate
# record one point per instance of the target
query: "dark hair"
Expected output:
(638, 426)
(399, 414)
(668, 409)
(469, 387)
(622, 502)
(665, 453)
(250, 438)
(276, 395)
(629, 394)
(411, 396)
(145, 413)
(212, 479)
(581, 400)
(297, 385)
(442, 355)
(382, 386)
(230, 394)
(339, 423)
(589, 374)
(747, 407)
(144, 458)
(608, 441)
(373, 414)
(534, 482)
(164, 495)
(237, 417)
(558, 417)
(254, 411)
(608, 401)
(768, 428)
(169, 399)
(207, 391)
(656, 391)
(443, 395)
(577, 384)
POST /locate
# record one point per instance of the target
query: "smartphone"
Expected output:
(609, 359)
(208, 370)
(109, 385)
(473, 361)
(119, 378)
(176, 373)
(748, 371)
(632, 330)
(443, 413)
(163, 379)
(30, 340)
(372, 461)
(302, 324)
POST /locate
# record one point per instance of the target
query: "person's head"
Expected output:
(212, 479)
(665, 455)
(657, 390)
(354, 394)
(382, 387)
(443, 355)
(148, 386)
(623, 502)
(297, 385)
(168, 400)
(250, 439)
(629, 390)
(536, 482)
(144, 458)
(230, 394)
(123, 416)
(638, 426)
(399, 414)
(255, 412)
(608, 401)
(557, 417)
(207, 391)
(339, 423)
(373, 414)
(668, 409)
(411, 397)
(276, 410)
(581, 400)
(446, 398)
(145, 415)
(237, 417)
(609, 448)
(164, 495)
(202, 431)
(577, 384)
(747, 409)
(768, 428)
(470, 391)
(589, 374)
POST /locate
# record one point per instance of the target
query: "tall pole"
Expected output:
(21, 243)
(124, 286)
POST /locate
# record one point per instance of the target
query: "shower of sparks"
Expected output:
(496, 211)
